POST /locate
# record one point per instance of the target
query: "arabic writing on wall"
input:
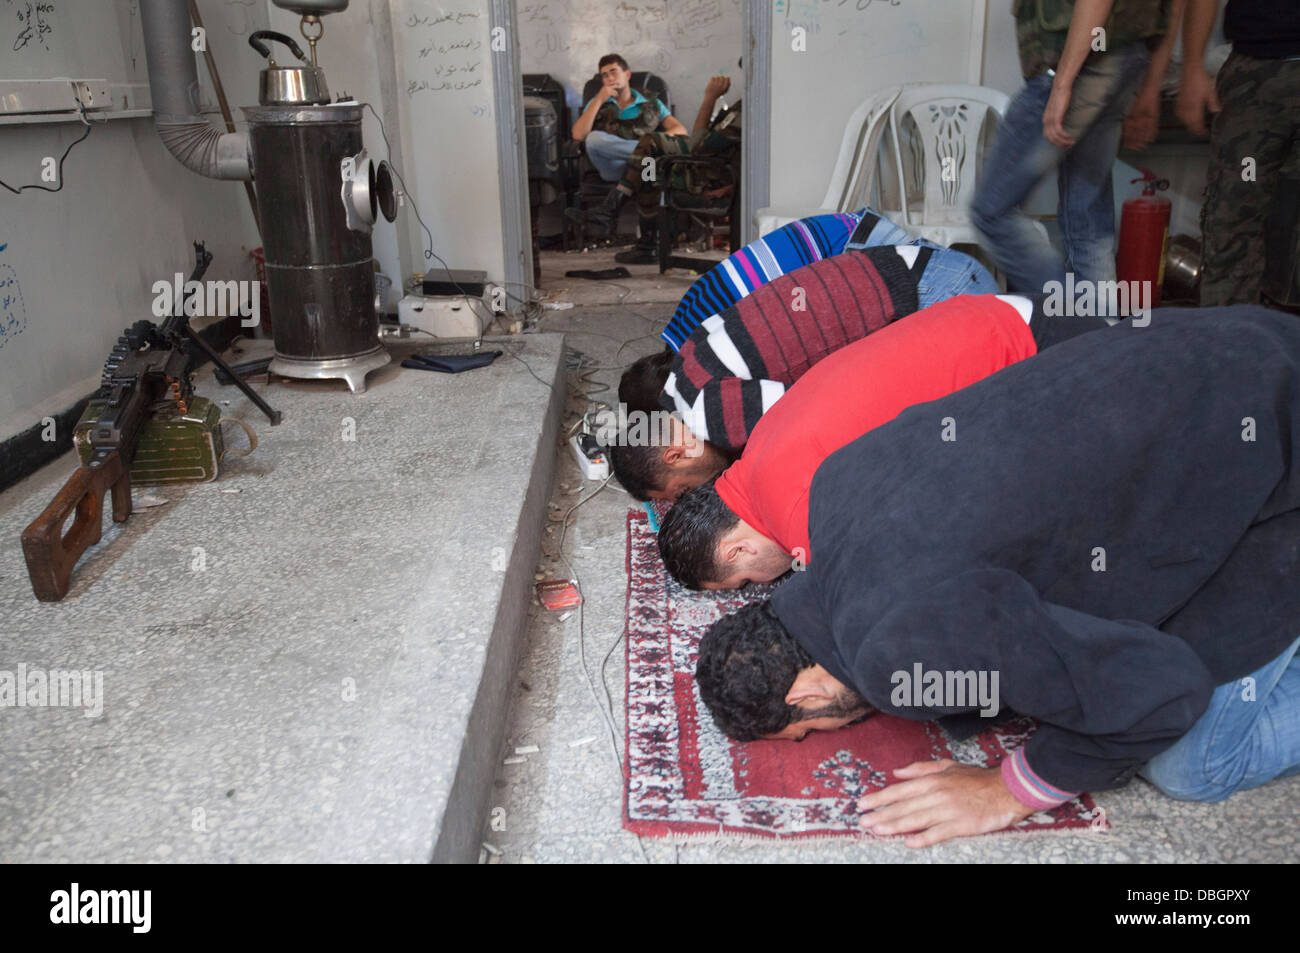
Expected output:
(13, 313)
(448, 51)
(35, 26)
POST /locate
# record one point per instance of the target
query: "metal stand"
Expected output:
(353, 370)
(271, 414)
(177, 327)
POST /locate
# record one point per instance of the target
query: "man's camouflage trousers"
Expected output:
(1253, 188)
(645, 178)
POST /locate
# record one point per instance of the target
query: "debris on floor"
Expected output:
(558, 594)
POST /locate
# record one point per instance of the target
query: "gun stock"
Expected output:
(51, 553)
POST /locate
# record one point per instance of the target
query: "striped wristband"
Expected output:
(1027, 787)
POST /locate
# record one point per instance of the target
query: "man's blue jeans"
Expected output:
(1250, 734)
(949, 273)
(609, 154)
(874, 229)
(1021, 157)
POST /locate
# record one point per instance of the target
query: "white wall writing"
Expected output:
(684, 41)
(447, 49)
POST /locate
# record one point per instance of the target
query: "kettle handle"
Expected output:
(255, 41)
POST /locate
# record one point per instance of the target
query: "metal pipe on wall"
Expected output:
(174, 84)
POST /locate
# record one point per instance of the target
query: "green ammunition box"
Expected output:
(172, 447)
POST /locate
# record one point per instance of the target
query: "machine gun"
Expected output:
(149, 367)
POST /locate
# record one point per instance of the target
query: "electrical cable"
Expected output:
(429, 253)
(506, 349)
(581, 366)
(388, 149)
(45, 188)
(606, 710)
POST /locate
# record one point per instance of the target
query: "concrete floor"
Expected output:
(564, 802)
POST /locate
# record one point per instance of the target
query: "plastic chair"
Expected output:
(854, 178)
(948, 125)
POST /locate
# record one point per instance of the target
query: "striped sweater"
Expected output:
(775, 254)
(738, 363)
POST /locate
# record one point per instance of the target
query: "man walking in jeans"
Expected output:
(1082, 61)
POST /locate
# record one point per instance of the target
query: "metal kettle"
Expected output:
(288, 85)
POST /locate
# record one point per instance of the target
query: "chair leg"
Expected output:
(733, 216)
(664, 242)
(564, 223)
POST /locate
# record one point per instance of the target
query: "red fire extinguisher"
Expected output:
(1143, 231)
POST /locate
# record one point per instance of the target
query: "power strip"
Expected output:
(591, 456)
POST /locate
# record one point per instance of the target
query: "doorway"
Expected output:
(556, 46)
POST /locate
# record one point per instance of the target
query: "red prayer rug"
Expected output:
(684, 777)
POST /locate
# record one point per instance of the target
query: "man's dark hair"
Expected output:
(690, 534)
(639, 469)
(643, 382)
(748, 661)
(611, 58)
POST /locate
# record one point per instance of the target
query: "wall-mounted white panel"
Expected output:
(449, 130)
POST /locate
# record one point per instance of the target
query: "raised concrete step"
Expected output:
(316, 667)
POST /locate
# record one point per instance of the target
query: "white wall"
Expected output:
(845, 53)
(1000, 66)
(85, 258)
(684, 41)
(449, 128)
(852, 51)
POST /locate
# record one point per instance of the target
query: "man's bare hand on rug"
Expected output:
(939, 800)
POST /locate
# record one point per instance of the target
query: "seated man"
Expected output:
(617, 116)
(751, 524)
(737, 364)
(641, 176)
(1110, 530)
(792, 246)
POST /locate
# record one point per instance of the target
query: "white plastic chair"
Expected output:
(854, 177)
(945, 150)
